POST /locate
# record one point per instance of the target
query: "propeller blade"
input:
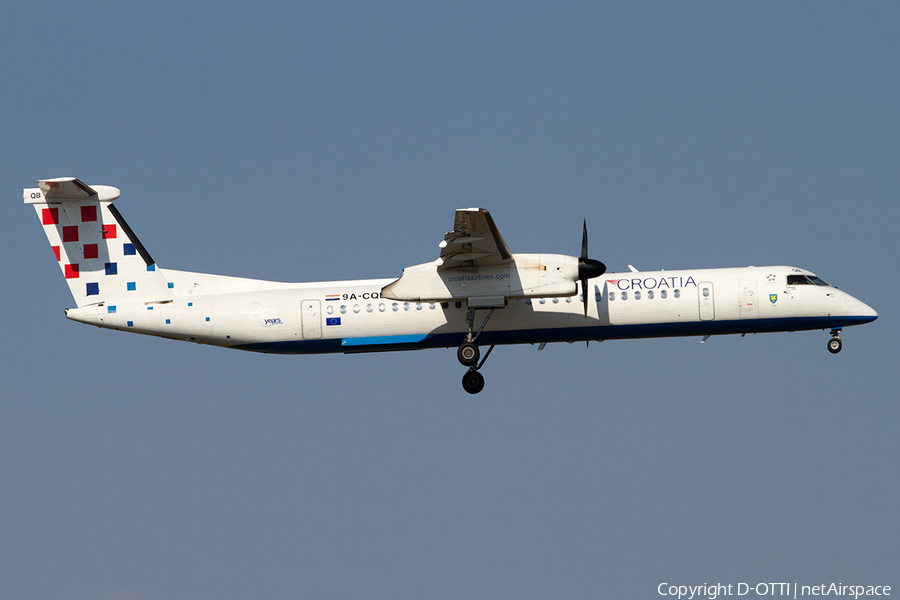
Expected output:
(584, 244)
(588, 268)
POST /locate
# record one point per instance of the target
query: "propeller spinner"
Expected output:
(588, 268)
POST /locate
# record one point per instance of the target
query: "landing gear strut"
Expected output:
(835, 343)
(468, 354)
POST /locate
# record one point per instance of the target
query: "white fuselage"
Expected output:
(354, 316)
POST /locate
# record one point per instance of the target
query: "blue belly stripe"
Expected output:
(383, 339)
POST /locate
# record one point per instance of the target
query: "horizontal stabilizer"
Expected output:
(69, 189)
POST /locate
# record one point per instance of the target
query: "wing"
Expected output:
(474, 241)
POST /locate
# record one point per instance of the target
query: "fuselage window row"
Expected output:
(637, 295)
(396, 306)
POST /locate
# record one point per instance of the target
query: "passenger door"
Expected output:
(311, 319)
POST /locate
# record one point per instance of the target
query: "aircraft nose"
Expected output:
(868, 311)
(862, 312)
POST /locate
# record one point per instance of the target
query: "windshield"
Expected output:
(805, 280)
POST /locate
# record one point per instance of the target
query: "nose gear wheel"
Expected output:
(835, 344)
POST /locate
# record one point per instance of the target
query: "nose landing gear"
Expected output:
(835, 344)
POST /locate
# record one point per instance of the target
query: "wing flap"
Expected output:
(474, 241)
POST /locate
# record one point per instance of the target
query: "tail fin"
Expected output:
(98, 253)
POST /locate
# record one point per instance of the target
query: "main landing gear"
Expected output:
(468, 354)
(835, 343)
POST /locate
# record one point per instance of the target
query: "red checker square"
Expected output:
(109, 232)
(50, 216)
(88, 213)
(70, 233)
(72, 271)
(91, 251)
(56, 252)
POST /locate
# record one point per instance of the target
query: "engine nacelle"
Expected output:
(526, 276)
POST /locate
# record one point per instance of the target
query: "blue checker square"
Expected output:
(93, 289)
(151, 267)
(111, 309)
(128, 249)
(171, 285)
(112, 269)
(168, 321)
(131, 323)
(131, 286)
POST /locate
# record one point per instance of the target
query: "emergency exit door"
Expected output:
(707, 307)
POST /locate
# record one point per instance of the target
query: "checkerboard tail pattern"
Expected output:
(99, 256)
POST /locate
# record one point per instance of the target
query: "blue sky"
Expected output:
(308, 142)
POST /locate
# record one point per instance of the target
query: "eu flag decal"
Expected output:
(332, 321)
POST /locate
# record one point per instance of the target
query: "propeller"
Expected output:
(588, 268)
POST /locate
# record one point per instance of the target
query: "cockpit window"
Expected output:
(805, 280)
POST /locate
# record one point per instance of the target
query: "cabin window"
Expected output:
(343, 309)
(445, 305)
(556, 301)
(569, 300)
(637, 294)
(597, 297)
(431, 305)
(611, 296)
(406, 306)
(662, 294)
(356, 308)
(650, 294)
(677, 293)
(624, 295)
(706, 292)
(543, 300)
(369, 307)
(395, 307)
(381, 307)
(418, 306)
(329, 309)
(528, 301)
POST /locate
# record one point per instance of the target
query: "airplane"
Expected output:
(518, 298)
